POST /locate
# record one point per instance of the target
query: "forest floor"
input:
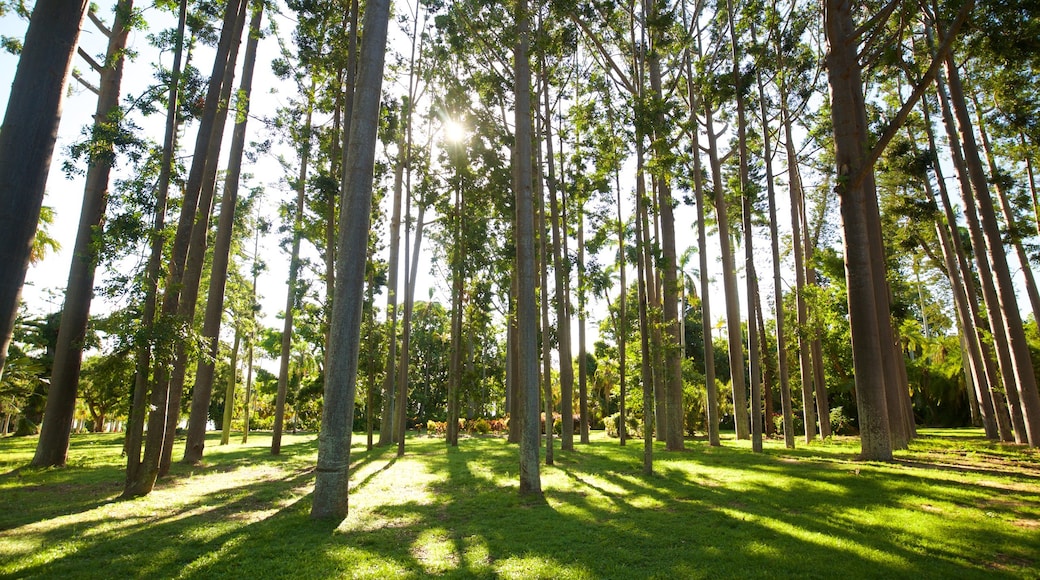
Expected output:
(953, 506)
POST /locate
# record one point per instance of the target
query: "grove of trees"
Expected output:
(663, 219)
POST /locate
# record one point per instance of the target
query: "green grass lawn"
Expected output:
(954, 506)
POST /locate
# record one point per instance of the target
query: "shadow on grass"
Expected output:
(707, 512)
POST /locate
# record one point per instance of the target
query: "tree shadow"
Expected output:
(458, 513)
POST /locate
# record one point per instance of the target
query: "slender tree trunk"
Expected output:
(1007, 303)
(187, 298)
(975, 370)
(409, 302)
(810, 353)
(458, 260)
(331, 483)
(749, 253)
(712, 411)
(644, 338)
(657, 371)
(729, 278)
(583, 379)
(543, 266)
(27, 139)
(542, 239)
(563, 332)
(164, 402)
(136, 483)
(229, 394)
(53, 444)
(527, 307)
(778, 289)
(294, 274)
(622, 313)
(201, 394)
(387, 432)
(1009, 216)
(672, 339)
(1009, 424)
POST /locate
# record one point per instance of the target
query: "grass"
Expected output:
(953, 506)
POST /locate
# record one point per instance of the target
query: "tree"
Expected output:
(337, 419)
(52, 447)
(27, 140)
(196, 437)
(527, 310)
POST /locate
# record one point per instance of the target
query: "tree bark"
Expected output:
(386, 431)
(848, 114)
(53, 444)
(672, 339)
(527, 307)
(741, 420)
(331, 482)
(202, 393)
(778, 290)
(563, 326)
(136, 481)
(180, 303)
(27, 139)
(1006, 301)
(229, 394)
(294, 274)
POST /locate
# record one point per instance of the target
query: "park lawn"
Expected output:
(953, 506)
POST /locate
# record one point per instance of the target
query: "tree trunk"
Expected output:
(542, 239)
(748, 234)
(251, 335)
(563, 326)
(1006, 301)
(851, 132)
(729, 278)
(181, 303)
(386, 431)
(1009, 217)
(646, 373)
(53, 444)
(712, 411)
(583, 379)
(136, 481)
(27, 139)
(458, 260)
(294, 274)
(229, 394)
(622, 312)
(202, 393)
(527, 307)
(1006, 420)
(671, 341)
(778, 289)
(331, 483)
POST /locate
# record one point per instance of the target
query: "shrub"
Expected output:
(436, 427)
(611, 425)
(499, 426)
(798, 421)
(481, 426)
(841, 423)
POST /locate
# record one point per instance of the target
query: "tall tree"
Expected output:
(332, 480)
(196, 437)
(27, 139)
(527, 308)
(52, 447)
(138, 479)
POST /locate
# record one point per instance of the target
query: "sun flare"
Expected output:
(454, 131)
